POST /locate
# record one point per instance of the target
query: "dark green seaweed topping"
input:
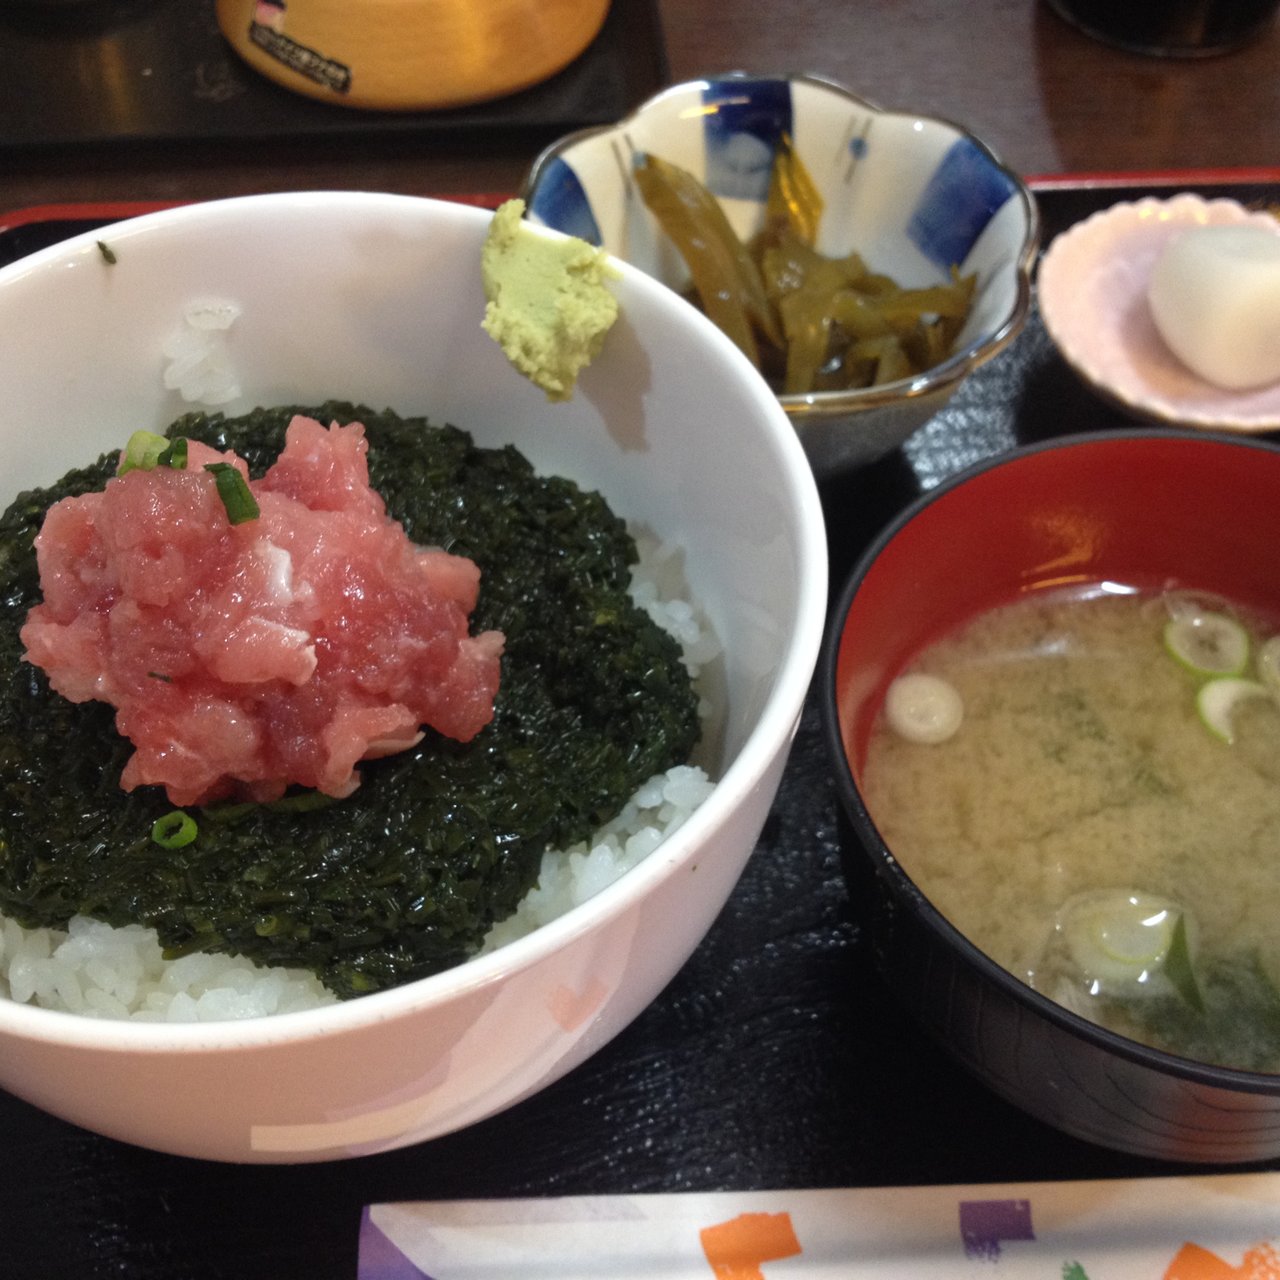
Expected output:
(403, 878)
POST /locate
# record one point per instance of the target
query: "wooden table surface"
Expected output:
(832, 1084)
(1045, 97)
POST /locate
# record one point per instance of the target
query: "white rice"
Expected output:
(198, 363)
(99, 971)
(569, 877)
(103, 972)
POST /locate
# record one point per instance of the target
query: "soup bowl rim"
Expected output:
(875, 850)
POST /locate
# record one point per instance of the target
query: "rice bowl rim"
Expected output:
(772, 731)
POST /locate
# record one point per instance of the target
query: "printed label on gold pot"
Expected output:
(266, 30)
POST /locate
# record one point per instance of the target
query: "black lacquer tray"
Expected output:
(775, 1059)
(135, 72)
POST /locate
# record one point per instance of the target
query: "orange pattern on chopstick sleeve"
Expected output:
(737, 1248)
(1194, 1263)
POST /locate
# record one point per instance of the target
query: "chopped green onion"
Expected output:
(1218, 701)
(297, 802)
(146, 451)
(228, 811)
(142, 452)
(174, 830)
(1269, 664)
(1179, 969)
(108, 253)
(301, 802)
(160, 675)
(1208, 643)
(234, 491)
(1118, 938)
(923, 708)
(175, 455)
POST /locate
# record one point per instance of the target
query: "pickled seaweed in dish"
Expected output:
(810, 322)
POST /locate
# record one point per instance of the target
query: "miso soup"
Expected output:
(1104, 822)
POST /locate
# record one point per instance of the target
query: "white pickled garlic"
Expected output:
(1215, 299)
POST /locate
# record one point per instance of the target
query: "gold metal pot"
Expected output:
(403, 55)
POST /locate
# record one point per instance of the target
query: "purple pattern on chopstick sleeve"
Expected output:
(985, 1224)
(380, 1259)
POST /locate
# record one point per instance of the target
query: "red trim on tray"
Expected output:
(114, 210)
(108, 211)
(1152, 178)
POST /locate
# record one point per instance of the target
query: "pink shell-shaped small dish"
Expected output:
(1092, 292)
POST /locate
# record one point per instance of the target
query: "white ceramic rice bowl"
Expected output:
(377, 299)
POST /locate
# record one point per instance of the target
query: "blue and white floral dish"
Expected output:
(911, 194)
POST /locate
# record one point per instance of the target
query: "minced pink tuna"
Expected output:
(245, 658)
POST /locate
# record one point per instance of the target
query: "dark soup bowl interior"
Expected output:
(1143, 508)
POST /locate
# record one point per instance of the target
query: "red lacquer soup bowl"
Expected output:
(1143, 509)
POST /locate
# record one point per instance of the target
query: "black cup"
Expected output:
(1170, 28)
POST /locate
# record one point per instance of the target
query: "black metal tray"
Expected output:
(112, 72)
(775, 1059)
